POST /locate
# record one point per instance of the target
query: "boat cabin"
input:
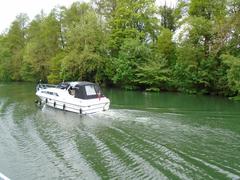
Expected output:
(82, 90)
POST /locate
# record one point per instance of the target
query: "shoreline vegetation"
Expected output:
(193, 47)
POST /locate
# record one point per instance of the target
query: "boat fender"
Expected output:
(46, 100)
(40, 102)
(80, 111)
(54, 104)
(63, 106)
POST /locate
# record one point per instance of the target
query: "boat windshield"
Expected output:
(63, 85)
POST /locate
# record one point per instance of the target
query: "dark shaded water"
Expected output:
(143, 136)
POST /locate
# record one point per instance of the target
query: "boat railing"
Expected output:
(45, 86)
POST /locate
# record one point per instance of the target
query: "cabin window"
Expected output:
(50, 93)
(90, 90)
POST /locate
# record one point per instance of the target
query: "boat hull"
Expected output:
(81, 108)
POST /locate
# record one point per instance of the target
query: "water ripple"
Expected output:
(160, 143)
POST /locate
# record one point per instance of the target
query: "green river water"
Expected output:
(142, 136)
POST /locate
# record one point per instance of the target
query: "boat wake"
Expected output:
(115, 144)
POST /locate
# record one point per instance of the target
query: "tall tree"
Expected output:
(167, 17)
(85, 41)
(197, 52)
(15, 42)
(133, 19)
(106, 8)
(43, 44)
(5, 57)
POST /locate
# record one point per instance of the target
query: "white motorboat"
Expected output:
(79, 97)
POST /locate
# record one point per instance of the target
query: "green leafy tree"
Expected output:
(132, 53)
(106, 8)
(233, 28)
(156, 71)
(55, 64)
(13, 43)
(155, 74)
(129, 43)
(168, 17)
(5, 57)
(85, 41)
(42, 45)
(165, 46)
(199, 52)
(133, 20)
(233, 72)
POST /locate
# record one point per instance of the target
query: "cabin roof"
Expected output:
(80, 83)
(65, 85)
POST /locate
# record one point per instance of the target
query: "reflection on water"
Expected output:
(163, 136)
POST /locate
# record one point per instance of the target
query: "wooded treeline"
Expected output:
(134, 44)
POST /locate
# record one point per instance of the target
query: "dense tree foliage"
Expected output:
(134, 44)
